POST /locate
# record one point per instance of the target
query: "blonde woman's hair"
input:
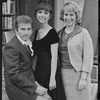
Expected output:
(72, 7)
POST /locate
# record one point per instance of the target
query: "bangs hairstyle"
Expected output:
(23, 19)
(44, 6)
(71, 7)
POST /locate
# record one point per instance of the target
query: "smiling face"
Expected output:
(24, 31)
(69, 18)
(71, 13)
(43, 16)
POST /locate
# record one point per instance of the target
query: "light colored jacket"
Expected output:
(80, 49)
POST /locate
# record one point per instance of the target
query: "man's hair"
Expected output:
(23, 19)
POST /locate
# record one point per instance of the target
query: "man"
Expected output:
(17, 58)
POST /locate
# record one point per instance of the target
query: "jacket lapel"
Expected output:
(77, 30)
(27, 48)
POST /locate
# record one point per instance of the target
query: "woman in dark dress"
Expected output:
(45, 46)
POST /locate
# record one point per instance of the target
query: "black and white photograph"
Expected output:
(49, 49)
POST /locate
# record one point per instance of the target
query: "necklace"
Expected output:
(65, 36)
(67, 33)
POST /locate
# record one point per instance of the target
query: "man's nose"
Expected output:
(26, 31)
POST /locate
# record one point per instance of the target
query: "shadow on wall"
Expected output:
(90, 21)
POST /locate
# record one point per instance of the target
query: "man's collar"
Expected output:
(28, 42)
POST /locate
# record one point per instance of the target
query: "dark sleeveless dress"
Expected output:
(42, 49)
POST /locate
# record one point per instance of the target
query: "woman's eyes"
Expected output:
(69, 14)
(45, 12)
(39, 11)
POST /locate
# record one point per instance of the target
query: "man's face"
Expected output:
(24, 31)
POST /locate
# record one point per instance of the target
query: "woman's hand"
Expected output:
(41, 91)
(82, 84)
(52, 84)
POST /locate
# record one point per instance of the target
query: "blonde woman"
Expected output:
(75, 54)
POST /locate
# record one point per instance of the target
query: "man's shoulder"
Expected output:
(12, 42)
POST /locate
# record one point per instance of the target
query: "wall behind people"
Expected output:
(90, 21)
(20, 7)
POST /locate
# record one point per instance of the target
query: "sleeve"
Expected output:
(87, 52)
(11, 60)
(53, 37)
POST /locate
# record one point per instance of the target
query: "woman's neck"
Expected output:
(69, 29)
(43, 30)
(44, 26)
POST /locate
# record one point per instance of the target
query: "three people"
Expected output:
(75, 54)
(73, 47)
(17, 59)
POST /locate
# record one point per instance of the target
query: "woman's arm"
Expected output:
(87, 52)
(54, 54)
(87, 59)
